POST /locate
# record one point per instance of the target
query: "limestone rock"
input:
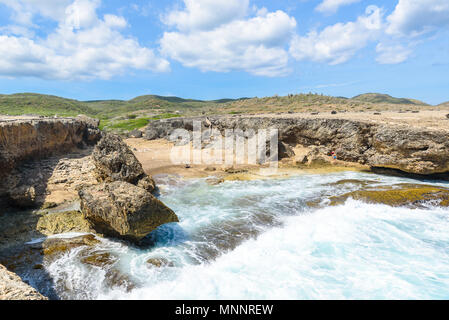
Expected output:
(120, 209)
(63, 222)
(409, 149)
(13, 288)
(25, 142)
(409, 195)
(114, 161)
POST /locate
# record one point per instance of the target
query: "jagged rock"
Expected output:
(447, 116)
(120, 209)
(13, 288)
(114, 161)
(91, 122)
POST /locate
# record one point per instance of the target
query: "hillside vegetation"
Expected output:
(136, 113)
(385, 98)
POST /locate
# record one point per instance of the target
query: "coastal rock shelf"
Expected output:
(415, 150)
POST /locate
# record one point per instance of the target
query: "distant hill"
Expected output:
(385, 98)
(444, 104)
(46, 105)
(125, 115)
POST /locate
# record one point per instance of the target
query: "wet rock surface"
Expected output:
(408, 195)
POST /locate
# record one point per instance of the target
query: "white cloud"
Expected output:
(232, 42)
(338, 43)
(392, 54)
(25, 10)
(83, 46)
(206, 14)
(331, 6)
(415, 17)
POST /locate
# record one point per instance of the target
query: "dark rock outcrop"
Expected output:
(120, 209)
(114, 161)
(409, 149)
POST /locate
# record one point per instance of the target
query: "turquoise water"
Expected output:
(260, 240)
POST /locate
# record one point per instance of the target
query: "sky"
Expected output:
(212, 49)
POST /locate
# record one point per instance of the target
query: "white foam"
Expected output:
(356, 250)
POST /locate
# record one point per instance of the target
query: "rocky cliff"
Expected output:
(27, 139)
(413, 150)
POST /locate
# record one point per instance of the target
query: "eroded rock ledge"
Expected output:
(408, 149)
(33, 138)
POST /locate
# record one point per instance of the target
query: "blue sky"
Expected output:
(210, 49)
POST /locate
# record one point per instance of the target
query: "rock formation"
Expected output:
(122, 205)
(13, 288)
(411, 150)
(120, 209)
(25, 141)
(114, 161)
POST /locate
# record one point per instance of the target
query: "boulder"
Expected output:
(135, 134)
(123, 210)
(447, 116)
(114, 161)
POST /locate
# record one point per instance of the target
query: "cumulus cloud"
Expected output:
(225, 39)
(392, 54)
(331, 6)
(416, 17)
(83, 46)
(25, 10)
(338, 43)
(206, 14)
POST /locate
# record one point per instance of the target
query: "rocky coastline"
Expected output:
(100, 179)
(64, 175)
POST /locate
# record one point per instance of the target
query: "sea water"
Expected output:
(263, 239)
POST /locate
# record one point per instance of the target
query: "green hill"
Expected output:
(46, 105)
(124, 115)
(385, 98)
